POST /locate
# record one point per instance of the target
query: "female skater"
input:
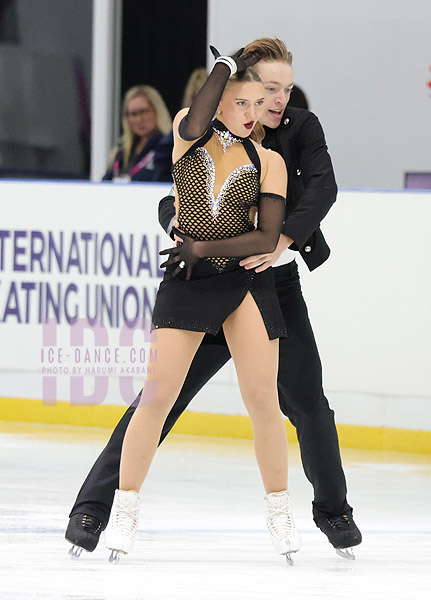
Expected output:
(221, 177)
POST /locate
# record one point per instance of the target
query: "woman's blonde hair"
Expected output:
(163, 118)
(193, 85)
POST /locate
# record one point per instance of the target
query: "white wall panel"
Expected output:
(364, 66)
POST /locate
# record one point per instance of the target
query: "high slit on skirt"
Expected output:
(205, 301)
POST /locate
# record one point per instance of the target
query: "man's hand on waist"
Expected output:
(260, 262)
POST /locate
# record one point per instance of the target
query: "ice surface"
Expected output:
(201, 533)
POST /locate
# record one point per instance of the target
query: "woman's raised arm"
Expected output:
(196, 122)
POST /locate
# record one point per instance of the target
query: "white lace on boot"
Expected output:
(279, 519)
(123, 523)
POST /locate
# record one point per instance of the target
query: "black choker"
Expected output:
(224, 136)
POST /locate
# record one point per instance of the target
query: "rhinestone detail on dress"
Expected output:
(215, 203)
(226, 139)
(235, 214)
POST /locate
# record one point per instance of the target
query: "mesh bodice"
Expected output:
(231, 212)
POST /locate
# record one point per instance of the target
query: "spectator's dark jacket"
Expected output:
(311, 183)
(153, 163)
(163, 158)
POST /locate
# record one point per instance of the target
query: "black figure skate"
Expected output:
(343, 533)
(83, 532)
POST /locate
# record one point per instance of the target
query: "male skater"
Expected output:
(297, 135)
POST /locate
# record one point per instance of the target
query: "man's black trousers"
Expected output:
(301, 399)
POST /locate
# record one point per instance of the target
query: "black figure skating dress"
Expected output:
(218, 193)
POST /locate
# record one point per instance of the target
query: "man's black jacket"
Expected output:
(311, 189)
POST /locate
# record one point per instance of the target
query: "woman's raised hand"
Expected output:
(242, 61)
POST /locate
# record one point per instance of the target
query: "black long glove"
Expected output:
(263, 240)
(242, 61)
(204, 106)
(183, 252)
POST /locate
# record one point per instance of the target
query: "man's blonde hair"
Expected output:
(270, 49)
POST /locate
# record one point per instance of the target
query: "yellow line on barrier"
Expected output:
(209, 424)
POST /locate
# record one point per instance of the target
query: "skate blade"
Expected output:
(289, 560)
(75, 552)
(289, 557)
(115, 556)
(346, 553)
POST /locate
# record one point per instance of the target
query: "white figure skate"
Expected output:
(123, 523)
(282, 529)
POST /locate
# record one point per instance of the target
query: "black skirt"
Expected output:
(205, 301)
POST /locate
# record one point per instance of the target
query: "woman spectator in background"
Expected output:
(145, 121)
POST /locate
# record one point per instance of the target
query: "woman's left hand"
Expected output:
(260, 262)
(183, 252)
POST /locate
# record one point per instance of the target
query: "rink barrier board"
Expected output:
(363, 328)
(210, 424)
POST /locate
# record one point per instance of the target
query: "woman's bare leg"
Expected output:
(256, 362)
(165, 376)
